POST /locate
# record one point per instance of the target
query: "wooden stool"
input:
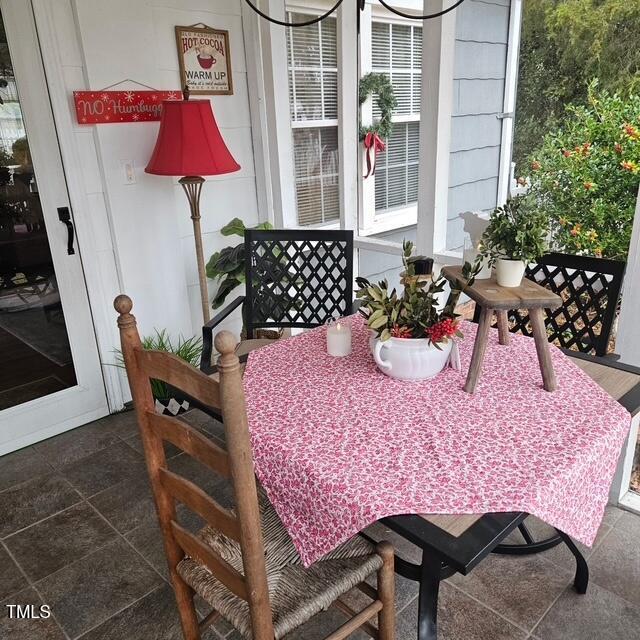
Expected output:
(491, 297)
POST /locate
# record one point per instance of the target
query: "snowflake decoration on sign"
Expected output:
(154, 97)
(135, 117)
(128, 96)
(104, 97)
(172, 95)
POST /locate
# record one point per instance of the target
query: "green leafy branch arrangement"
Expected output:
(415, 313)
(518, 230)
(228, 264)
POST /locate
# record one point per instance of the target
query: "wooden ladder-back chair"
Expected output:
(243, 562)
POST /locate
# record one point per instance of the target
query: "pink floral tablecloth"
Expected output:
(339, 445)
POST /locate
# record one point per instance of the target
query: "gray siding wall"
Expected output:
(482, 32)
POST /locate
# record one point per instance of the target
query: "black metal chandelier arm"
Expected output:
(282, 23)
(428, 16)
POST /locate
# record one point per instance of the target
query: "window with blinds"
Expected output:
(313, 101)
(396, 51)
(397, 168)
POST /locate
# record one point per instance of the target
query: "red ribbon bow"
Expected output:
(373, 143)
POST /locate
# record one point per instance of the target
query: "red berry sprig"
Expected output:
(446, 328)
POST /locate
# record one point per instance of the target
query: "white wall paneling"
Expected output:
(140, 236)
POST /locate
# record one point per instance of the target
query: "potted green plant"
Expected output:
(516, 235)
(414, 331)
(227, 266)
(168, 400)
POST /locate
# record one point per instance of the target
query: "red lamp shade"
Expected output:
(189, 142)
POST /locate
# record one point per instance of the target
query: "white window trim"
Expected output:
(290, 218)
(438, 50)
(371, 221)
(269, 104)
(509, 105)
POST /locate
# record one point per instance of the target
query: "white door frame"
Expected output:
(86, 400)
(100, 268)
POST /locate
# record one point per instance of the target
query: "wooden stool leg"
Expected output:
(542, 348)
(479, 348)
(503, 327)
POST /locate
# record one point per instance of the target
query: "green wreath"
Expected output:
(379, 84)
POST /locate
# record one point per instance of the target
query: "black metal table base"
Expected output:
(428, 574)
(530, 545)
(432, 571)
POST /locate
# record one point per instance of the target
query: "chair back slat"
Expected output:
(201, 503)
(297, 278)
(204, 554)
(160, 365)
(185, 437)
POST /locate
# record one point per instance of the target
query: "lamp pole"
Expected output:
(189, 144)
(192, 186)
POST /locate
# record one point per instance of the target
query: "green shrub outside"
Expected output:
(586, 174)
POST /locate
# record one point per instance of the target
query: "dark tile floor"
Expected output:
(78, 533)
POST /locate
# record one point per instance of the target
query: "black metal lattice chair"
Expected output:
(294, 278)
(590, 291)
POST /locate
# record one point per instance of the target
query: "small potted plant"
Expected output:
(412, 336)
(517, 234)
(167, 399)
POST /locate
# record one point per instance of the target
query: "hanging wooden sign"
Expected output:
(102, 107)
(205, 60)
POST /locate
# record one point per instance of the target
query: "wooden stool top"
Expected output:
(490, 295)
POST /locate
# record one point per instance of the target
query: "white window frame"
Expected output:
(372, 221)
(270, 104)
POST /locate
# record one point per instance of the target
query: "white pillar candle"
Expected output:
(339, 339)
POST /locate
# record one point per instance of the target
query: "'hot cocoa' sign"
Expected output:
(205, 64)
(100, 107)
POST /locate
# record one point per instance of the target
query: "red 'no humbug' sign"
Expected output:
(100, 107)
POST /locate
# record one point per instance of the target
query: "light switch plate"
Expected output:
(128, 171)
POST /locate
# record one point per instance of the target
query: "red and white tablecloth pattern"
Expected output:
(339, 445)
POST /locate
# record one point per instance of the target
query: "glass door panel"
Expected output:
(34, 345)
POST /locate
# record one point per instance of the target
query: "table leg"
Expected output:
(542, 348)
(428, 598)
(581, 580)
(479, 347)
(504, 336)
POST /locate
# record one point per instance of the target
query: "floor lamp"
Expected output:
(190, 145)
